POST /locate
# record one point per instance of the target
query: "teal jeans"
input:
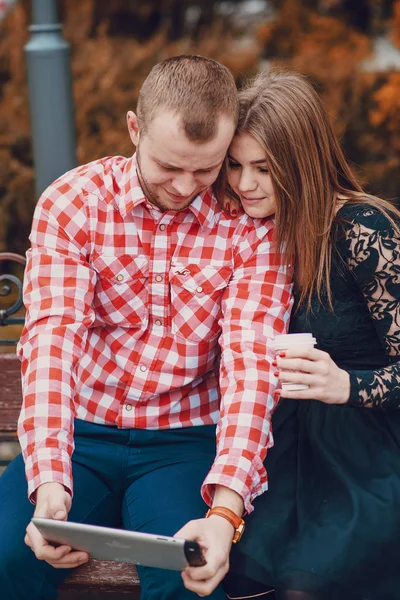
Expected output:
(137, 479)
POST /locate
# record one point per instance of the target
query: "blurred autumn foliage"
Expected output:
(115, 44)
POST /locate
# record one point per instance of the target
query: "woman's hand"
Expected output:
(232, 206)
(316, 369)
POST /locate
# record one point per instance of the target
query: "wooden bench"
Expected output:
(96, 579)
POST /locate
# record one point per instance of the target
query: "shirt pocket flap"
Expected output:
(203, 279)
(120, 269)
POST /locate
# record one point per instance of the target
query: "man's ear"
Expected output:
(133, 127)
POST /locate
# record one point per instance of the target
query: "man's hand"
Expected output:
(53, 502)
(215, 536)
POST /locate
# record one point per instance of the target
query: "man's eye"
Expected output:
(233, 165)
(263, 170)
(169, 168)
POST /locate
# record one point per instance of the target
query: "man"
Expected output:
(148, 308)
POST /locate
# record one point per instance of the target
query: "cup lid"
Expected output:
(293, 339)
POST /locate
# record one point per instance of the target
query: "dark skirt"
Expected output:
(329, 523)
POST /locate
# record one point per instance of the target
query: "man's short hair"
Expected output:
(197, 89)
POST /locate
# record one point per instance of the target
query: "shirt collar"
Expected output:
(204, 207)
(131, 193)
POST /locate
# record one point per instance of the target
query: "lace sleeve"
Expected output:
(373, 256)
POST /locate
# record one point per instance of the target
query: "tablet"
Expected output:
(105, 543)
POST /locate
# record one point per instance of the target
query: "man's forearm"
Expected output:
(223, 496)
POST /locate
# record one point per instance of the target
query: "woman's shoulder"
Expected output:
(366, 236)
(365, 216)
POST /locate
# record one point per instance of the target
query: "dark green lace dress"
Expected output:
(329, 524)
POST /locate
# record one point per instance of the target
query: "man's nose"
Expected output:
(185, 184)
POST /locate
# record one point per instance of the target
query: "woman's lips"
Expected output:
(247, 200)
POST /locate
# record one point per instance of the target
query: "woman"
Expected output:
(329, 526)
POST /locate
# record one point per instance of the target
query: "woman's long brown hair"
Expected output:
(309, 172)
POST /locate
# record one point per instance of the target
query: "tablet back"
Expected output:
(105, 543)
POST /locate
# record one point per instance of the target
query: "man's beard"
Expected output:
(148, 189)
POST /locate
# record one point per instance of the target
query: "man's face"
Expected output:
(173, 170)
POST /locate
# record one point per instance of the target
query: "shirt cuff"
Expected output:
(48, 466)
(241, 472)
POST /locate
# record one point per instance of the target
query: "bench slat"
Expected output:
(106, 576)
(10, 392)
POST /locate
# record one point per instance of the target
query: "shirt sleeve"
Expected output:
(58, 290)
(256, 306)
(373, 256)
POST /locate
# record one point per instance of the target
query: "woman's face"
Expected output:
(249, 177)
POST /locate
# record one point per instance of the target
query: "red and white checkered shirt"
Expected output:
(128, 311)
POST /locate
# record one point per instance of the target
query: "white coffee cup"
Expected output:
(294, 340)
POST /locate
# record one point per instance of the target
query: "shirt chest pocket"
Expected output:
(196, 292)
(121, 289)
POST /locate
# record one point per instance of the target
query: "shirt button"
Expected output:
(143, 368)
(159, 278)
(158, 322)
(120, 277)
(199, 289)
(162, 227)
(128, 407)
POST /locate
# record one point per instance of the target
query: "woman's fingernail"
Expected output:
(282, 354)
(227, 206)
(277, 392)
(274, 363)
(276, 374)
(234, 212)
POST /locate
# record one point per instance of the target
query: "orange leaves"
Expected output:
(387, 99)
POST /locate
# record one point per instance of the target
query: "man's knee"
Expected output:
(17, 563)
(22, 575)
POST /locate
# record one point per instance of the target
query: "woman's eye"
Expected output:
(263, 170)
(233, 165)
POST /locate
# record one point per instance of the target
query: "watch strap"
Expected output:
(228, 514)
